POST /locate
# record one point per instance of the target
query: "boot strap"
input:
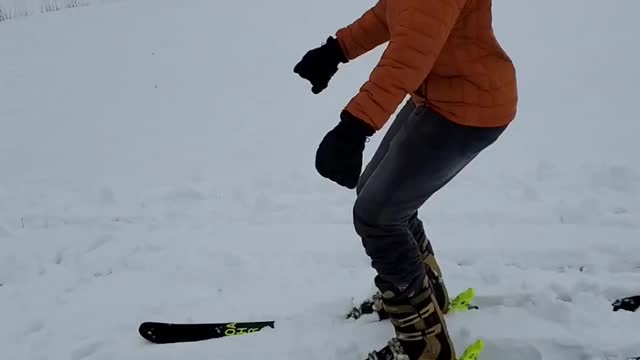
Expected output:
(430, 260)
(395, 310)
(419, 335)
(423, 314)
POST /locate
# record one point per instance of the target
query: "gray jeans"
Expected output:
(420, 153)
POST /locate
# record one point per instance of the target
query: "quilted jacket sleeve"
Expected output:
(366, 33)
(418, 30)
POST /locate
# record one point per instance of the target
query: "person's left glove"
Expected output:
(339, 156)
(320, 64)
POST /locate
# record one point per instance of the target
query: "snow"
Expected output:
(10, 9)
(157, 164)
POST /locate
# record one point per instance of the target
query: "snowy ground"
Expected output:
(11, 9)
(156, 163)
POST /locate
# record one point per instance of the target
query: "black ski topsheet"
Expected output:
(631, 303)
(166, 333)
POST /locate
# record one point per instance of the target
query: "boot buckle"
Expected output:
(393, 351)
(397, 350)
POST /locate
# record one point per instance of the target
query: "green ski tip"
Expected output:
(462, 302)
(473, 351)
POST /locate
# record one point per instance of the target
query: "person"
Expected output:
(462, 95)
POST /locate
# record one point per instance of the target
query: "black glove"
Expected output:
(339, 156)
(320, 64)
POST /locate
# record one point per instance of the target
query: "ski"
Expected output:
(166, 333)
(631, 303)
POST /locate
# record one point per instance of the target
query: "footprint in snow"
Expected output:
(59, 257)
(34, 327)
(99, 242)
(85, 351)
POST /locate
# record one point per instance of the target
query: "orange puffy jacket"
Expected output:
(443, 53)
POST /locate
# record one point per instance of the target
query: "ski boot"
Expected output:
(418, 321)
(434, 274)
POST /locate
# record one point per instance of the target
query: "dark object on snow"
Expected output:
(631, 303)
(321, 64)
(165, 333)
(339, 155)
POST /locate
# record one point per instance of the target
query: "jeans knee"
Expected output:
(364, 218)
(360, 220)
(371, 219)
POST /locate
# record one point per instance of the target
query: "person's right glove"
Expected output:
(320, 64)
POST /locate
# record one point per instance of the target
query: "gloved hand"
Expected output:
(320, 64)
(339, 156)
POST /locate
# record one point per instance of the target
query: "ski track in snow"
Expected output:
(141, 183)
